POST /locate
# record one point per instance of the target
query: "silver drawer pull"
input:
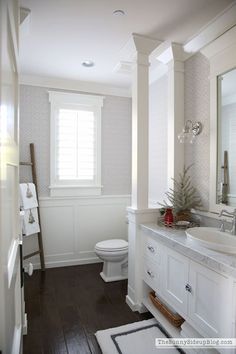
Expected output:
(151, 249)
(188, 288)
(150, 273)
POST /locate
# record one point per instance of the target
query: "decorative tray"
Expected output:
(178, 224)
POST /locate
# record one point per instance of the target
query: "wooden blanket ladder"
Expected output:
(32, 165)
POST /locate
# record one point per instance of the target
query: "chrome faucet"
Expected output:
(222, 225)
(233, 214)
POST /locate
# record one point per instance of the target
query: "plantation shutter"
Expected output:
(75, 145)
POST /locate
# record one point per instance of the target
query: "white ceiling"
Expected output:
(61, 34)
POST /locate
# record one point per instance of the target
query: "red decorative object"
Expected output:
(169, 217)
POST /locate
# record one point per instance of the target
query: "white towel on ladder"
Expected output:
(28, 197)
(31, 222)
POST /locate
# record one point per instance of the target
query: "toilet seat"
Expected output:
(114, 245)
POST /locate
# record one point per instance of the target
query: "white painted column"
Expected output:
(175, 118)
(135, 259)
(174, 58)
(172, 55)
(139, 212)
(140, 111)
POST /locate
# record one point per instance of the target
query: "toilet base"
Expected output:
(115, 278)
(114, 271)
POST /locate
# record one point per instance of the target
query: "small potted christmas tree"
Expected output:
(183, 197)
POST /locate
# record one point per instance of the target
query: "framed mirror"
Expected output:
(221, 54)
(226, 139)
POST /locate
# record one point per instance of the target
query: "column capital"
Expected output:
(144, 44)
(168, 52)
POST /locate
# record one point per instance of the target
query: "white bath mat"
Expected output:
(137, 337)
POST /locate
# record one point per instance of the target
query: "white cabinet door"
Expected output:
(175, 279)
(210, 301)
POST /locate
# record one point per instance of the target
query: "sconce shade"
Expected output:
(189, 132)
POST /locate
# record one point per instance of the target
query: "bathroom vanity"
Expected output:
(198, 283)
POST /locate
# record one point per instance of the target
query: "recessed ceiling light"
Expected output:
(118, 13)
(88, 63)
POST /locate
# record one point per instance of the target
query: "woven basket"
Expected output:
(175, 319)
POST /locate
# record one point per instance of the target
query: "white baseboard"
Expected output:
(68, 263)
(25, 324)
(16, 343)
(135, 306)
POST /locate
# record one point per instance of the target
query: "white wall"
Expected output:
(72, 226)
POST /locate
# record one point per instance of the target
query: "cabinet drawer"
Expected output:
(152, 250)
(151, 274)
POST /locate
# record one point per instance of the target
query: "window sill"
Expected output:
(74, 191)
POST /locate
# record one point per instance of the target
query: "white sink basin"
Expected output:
(213, 239)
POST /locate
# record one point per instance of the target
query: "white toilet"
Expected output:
(114, 254)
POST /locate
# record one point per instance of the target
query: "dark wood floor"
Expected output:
(66, 306)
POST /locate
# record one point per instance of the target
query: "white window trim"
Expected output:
(56, 99)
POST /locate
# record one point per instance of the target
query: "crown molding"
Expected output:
(221, 24)
(73, 85)
(220, 44)
(214, 29)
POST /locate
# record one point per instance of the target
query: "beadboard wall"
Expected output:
(72, 226)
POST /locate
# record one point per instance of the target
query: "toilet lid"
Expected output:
(112, 245)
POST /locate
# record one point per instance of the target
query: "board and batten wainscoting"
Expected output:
(72, 226)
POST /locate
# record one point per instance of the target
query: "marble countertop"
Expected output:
(177, 240)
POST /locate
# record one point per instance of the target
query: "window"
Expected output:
(75, 144)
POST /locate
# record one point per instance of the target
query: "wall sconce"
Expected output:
(189, 132)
